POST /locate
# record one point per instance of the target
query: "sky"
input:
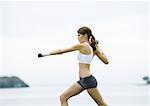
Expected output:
(32, 27)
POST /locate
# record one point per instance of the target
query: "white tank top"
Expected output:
(84, 58)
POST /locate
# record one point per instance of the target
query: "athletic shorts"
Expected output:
(88, 82)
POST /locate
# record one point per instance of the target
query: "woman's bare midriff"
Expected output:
(84, 70)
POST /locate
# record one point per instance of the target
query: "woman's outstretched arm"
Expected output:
(61, 51)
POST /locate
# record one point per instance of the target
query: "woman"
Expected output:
(87, 48)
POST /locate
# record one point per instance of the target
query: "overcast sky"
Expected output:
(28, 28)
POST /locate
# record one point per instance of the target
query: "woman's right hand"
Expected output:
(40, 55)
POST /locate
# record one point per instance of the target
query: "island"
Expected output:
(12, 82)
(147, 79)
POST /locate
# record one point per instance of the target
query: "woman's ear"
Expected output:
(86, 34)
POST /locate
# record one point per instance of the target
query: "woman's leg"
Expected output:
(95, 94)
(72, 91)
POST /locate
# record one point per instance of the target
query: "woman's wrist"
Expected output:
(47, 54)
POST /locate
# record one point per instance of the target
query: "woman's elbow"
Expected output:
(106, 62)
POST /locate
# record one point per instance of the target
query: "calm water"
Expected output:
(114, 95)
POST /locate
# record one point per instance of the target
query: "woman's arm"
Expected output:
(61, 51)
(101, 55)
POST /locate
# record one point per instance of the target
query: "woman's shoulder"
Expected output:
(82, 46)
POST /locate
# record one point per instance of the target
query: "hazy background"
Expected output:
(28, 28)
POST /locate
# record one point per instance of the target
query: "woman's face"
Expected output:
(80, 37)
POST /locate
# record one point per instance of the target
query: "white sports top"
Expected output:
(85, 58)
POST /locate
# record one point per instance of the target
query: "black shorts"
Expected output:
(88, 82)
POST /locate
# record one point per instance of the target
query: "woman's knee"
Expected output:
(63, 98)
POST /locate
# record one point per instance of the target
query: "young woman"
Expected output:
(88, 48)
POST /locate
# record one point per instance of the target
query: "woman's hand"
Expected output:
(40, 55)
(43, 55)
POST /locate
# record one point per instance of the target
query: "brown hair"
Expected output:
(91, 38)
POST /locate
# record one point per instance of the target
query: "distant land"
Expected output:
(12, 82)
(147, 79)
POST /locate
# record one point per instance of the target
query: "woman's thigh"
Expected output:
(72, 91)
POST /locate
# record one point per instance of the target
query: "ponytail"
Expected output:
(93, 42)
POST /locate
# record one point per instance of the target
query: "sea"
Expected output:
(114, 95)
